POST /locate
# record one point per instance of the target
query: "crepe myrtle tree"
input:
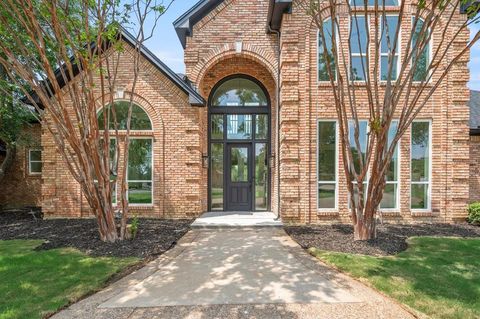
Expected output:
(64, 56)
(390, 83)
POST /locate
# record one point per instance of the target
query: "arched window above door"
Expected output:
(239, 92)
(140, 120)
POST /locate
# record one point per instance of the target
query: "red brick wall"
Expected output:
(180, 131)
(209, 55)
(304, 101)
(19, 188)
(176, 152)
(474, 168)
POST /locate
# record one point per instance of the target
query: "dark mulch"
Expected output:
(154, 237)
(391, 239)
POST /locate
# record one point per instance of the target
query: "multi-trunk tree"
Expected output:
(386, 63)
(65, 56)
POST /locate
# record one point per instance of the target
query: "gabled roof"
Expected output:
(194, 97)
(184, 24)
(474, 112)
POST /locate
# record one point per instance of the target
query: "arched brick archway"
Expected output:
(262, 58)
(237, 64)
(228, 65)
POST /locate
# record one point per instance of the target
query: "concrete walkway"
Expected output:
(236, 273)
(237, 219)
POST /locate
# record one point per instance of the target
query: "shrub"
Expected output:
(474, 213)
(134, 226)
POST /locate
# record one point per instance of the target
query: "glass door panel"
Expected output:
(239, 187)
(261, 176)
(239, 164)
(216, 177)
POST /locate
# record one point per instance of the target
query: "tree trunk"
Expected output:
(7, 161)
(365, 228)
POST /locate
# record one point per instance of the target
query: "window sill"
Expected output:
(332, 212)
(422, 213)
(34, 174)
(390, 213)
(141, 206)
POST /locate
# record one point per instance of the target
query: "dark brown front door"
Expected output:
(239, 177)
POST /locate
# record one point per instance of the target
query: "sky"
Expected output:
(166, 45)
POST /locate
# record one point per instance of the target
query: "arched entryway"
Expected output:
(239, 145)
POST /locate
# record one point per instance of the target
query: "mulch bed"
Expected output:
(155, 236)
(391, 239)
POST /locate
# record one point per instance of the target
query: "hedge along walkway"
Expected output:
(262, 271)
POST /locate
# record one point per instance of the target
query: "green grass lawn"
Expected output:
(439, 277)
(34, 283)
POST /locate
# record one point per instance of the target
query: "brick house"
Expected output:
(246, 129)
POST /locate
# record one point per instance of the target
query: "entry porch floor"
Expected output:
(237, 219)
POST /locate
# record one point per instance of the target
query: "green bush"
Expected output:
(134, 227)
(474, 213)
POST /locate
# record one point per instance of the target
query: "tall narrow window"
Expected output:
(420, 58)
(323, 74)
(420, 165)
(389, 25)
(35, 162)
(216, 176)
(139, 175)
(327, 165)
(358, 153)
(217, 126)
(261, 176)
(390, 195)
(358, 46)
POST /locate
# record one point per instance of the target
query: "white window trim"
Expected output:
(371, 7)
(335, 208)
(397, 54)
(430, 52)
(318, 54)
(30, 161)
(361, 55)
(397, 182)
(143, 181)
(133, 103)
(429, 182)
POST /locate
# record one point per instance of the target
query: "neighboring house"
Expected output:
(253, 84)
(474, 146)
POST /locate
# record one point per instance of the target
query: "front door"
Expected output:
(239, 177)
(239, 145)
